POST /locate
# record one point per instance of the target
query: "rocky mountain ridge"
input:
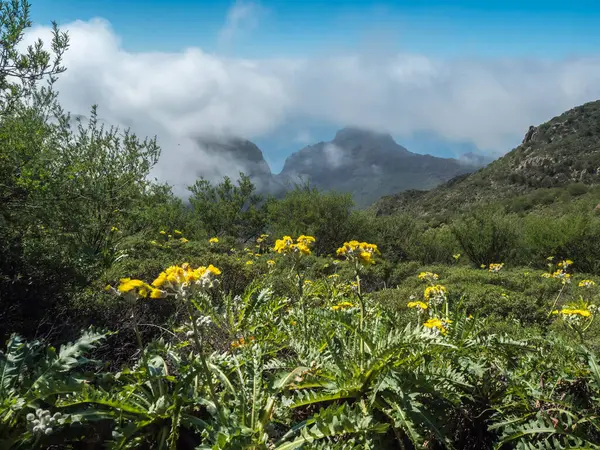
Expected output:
(558, 153)
(362, 162)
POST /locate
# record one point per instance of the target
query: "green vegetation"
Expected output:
(235, 321)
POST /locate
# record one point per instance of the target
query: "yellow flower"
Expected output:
(435, 292)
(362, 252)
(342, 306)
(157, 293)
(249, 263)
(163, 232)
(177, 275)
(283, 245)
(177, 232)
(419, 305)
(287, 245)
(137, 287)
(183, 240)
(213, 270)
(586, 283)
(438, 324)
(495, 268)
(214, 240)
(575, 312)
(114, 229)
(565, 264)
(306, 240)
(456, 256)
(428, 276)
(270, 263)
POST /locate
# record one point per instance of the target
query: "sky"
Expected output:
(440, 76)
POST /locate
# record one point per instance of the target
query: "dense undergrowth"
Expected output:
(316, 361)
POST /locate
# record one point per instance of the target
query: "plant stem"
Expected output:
(207, 373)
(556, 299)
(302, 306)
(361, 320)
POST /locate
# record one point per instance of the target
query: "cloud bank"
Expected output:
(177, 96)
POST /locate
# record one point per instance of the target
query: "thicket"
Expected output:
(295, 343)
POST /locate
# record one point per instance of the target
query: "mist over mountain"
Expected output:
(365, 163)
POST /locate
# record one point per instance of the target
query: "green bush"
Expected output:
(487, 236)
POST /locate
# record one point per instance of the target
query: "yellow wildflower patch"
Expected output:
(359, 251)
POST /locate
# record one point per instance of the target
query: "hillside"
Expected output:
(563, 153)
(368, 165)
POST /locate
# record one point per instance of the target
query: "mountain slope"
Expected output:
(234, 155)
(558, 153)
(368, 165)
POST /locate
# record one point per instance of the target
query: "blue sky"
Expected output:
(436, 27)
(471, 75)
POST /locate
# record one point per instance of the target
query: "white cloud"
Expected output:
(242, 16)
(334, 155)
(489, 103)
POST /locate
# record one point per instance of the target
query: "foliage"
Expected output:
(326, 366)
(227, 209)
(326, 214)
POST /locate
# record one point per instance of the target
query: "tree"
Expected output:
(227, 209)
(306, 210)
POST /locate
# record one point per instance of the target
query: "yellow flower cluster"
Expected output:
(214, 240)
(440, 325)
(495, 268)
(559, 274)
(361, 251)
(421, 306)
(435, 292)
(175, 276)
(262, 238)
(138, 288)
(177, 233)
(301, 246)
(565, 264)
(270, 263)
(428, 276)
(586, 283)
(573, 312)
(342, 306)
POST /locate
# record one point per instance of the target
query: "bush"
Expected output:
(487, 236)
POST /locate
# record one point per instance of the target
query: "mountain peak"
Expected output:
(362, 135)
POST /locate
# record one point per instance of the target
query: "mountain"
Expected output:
(368, 165)
(233, 155)
(563, 153)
